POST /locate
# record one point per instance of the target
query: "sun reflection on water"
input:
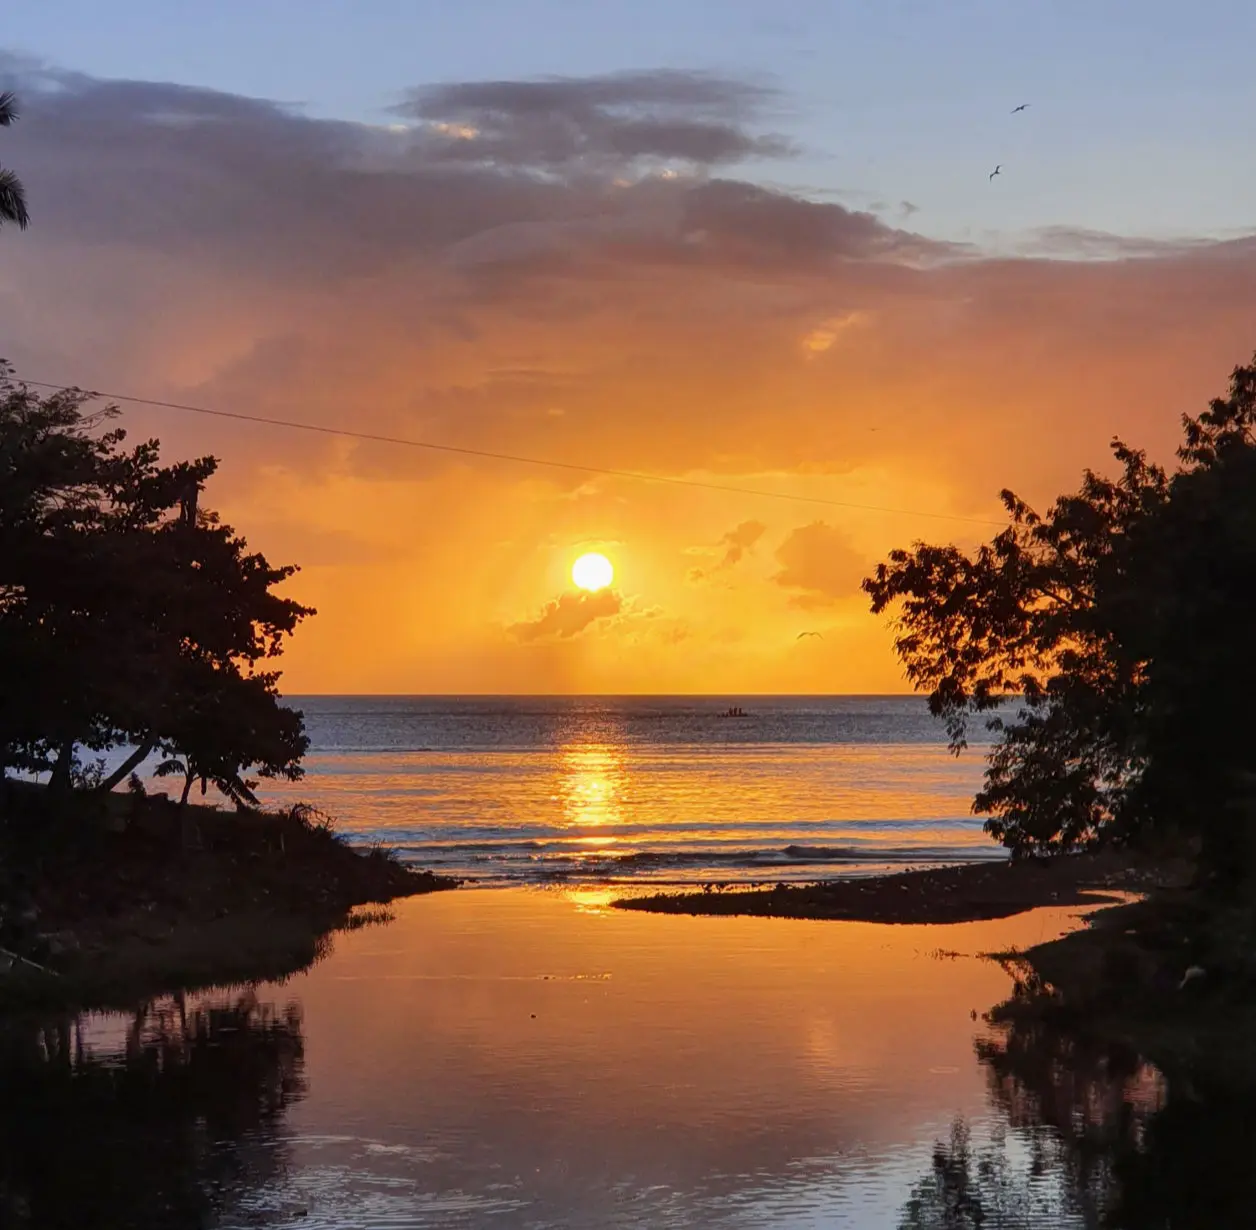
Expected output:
(592, 900)
(591, 788)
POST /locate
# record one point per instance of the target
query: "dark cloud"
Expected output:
(818, 561)
(201, 173)
(740, 540)
(568, 615)
(593, 124)
(734, 544)
(744, 222)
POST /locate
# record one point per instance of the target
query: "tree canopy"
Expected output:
(1105, 642)
(129, 615)
(12, 194)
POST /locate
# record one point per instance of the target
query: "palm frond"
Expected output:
(13, 200)
(8, 108)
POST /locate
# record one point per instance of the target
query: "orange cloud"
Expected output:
(735, 543)
(819, 561)
(568, 615)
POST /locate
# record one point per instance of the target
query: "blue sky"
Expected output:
(1143, 115)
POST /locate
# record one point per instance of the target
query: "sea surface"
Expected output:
(648, 790)
(532, 1060)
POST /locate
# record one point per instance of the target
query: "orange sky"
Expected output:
(607, 312)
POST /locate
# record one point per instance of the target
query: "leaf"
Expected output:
(13, 200)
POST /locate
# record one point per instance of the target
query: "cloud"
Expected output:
(735, 544)
(740, 540)
(827, 332)
(1080, 244)
(568, 615)
(594, 124)
(818, 561)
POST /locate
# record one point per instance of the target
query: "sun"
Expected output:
(592, 572)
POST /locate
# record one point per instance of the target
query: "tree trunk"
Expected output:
(187, 788)
(131, 762)
(60, 780)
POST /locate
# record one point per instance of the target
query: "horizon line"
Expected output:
(606, 695)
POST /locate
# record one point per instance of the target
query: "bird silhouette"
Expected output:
(815, 634)
(1020, 108)
(996, 170)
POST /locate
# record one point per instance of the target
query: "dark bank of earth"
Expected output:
(1171, 977)
(123, 896)
(967, 893)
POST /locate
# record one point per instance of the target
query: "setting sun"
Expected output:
(592, 572)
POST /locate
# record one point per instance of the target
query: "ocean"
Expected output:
(642, 790)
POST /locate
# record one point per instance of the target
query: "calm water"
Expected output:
(528, 1059)
(540, 789)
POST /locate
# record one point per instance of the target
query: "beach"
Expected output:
(939, 895)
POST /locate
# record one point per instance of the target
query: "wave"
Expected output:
(526, 862)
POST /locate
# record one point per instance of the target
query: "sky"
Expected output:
(748, 245)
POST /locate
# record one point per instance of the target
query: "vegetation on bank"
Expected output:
(1122, 617)
(122, 896)
(134, 623)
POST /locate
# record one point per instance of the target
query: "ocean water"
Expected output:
(648, 790)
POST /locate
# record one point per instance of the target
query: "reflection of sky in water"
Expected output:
(532, 1059)
(653, 790)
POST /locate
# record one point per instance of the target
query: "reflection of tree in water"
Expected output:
(169, 1132)
(1099, 1133)
(970, 1187)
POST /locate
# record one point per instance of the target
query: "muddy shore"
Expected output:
(130, 896)
(968, 893)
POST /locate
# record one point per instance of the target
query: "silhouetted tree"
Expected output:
(227, 723)
(128, 613)
(1120, 618)
(1181, 604)
(12, 194)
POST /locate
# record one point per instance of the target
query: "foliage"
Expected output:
(12, 194)
(1119, 618)
(129, 615)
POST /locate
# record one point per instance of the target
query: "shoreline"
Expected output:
(970, 892)
(1122, 980)
(106, 900)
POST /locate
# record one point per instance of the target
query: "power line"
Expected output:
(601, 471)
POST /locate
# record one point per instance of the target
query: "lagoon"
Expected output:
(532, 1058)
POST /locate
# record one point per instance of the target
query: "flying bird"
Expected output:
(996, 170)
(815, 634)
(1020, 108)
